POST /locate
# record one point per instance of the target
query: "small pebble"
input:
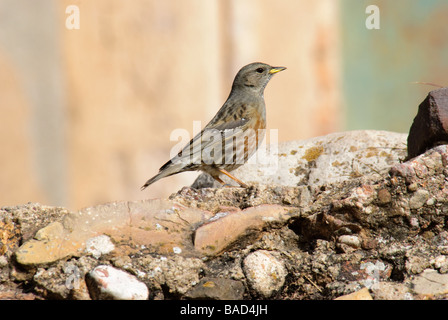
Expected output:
(414, 222)
(439, 262)
(352, 241)
(264, 272)
(99, 245)
(177, 250)
(413, 187)
(418, 199)
(3, 261)
(384, 196)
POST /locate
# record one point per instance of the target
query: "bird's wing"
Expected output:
(228, 125)
(209, 145)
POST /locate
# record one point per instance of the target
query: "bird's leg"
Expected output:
(221, 181)
(218, 179)
(241, 183)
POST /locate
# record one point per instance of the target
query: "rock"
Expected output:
(352, 241)
(226, 228)
(108, 283)
(3, 262)
(362, 294)
(430, 125)
(20, 223)
(53, 231)
(441, 263)
(64, 279)
(176, 273)
(50, 245)
(99, 245)
(217, 289)
(51, 284)
(430, 164)
(318, 241)
(415, 264)
(391, 291)
(384, 196)
(322, 160)
(418, 199)
(265, 273)
(14, 295)
(366, 273)
(158, 224)
(235, 198)
(9, 235)
(430, 284)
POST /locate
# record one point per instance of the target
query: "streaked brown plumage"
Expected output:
(234, 133)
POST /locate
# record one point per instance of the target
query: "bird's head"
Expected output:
(255, 76)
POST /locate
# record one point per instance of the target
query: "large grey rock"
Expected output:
(321, 160)
(430, 125)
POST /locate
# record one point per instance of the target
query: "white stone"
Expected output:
(99, 245)
(264, 272)
(321, 160)
(177, 250)
(108, 283)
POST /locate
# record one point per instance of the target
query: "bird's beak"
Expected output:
(276, 69)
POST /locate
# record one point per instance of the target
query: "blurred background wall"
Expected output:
(86, 111)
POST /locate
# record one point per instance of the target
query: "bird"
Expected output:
(233, 135)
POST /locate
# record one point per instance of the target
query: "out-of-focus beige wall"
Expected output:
(136, 70)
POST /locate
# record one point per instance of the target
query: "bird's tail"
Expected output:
(158, 176)
(168, 169)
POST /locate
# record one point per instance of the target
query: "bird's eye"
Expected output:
(260, 70)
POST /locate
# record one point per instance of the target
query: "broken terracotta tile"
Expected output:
(160, 225)
(226, 228)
